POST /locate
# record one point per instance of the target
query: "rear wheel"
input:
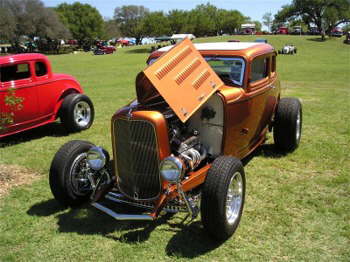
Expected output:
(77, 112)
(68, 174)
(223, 197)
(288, 123)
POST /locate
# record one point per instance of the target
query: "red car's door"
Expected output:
(47, 90)
(19, 77)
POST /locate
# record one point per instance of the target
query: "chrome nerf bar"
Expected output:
(121, 216)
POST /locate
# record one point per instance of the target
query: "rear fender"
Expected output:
(61, 98)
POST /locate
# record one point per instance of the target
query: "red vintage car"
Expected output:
(45, 95)
(102, 48)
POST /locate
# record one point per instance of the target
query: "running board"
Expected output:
(121, 216)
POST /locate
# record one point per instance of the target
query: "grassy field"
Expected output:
(297, 206)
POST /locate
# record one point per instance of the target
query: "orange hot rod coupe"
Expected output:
(178, 146)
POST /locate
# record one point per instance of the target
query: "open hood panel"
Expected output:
(183, 78)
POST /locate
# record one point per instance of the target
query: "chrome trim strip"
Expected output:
(121, 216)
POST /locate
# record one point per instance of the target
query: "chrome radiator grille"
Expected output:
(137, 159)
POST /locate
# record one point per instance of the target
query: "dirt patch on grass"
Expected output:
(13, 175)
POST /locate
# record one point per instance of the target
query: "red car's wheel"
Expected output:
(77, 112)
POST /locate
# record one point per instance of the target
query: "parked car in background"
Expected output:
(282, 31)
(46, 96)
(260, 40)
(288, 49)
(337, 32)
(182, 153)
(103, 50)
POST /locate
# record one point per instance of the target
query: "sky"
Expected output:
(252, 8)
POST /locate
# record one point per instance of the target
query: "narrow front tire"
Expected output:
(68, 174)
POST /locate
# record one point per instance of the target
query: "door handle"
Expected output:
(244, 131)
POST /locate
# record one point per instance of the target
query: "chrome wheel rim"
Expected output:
(234, 198)
(78, 174)
(298, 127)
(82, 113)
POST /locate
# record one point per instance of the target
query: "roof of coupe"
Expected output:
(222, 46)
(20, 58)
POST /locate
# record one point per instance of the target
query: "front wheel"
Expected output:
(68, 174)
(77, 112)
(287, 124)
(223, 197)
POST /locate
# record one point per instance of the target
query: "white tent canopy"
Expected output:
(182, 36)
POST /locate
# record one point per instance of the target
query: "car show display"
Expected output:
(45, 95)
(200, 109)
(288, 49)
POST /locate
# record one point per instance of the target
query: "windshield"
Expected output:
(229, 69)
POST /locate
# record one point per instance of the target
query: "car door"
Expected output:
(47, 90)
(249, 109)
(19, 78)
(261, 93)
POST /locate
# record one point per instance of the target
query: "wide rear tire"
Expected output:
(223, 197)
(68, 181)
(287, 124)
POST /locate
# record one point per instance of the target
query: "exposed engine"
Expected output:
(191, 141)
(185, 144)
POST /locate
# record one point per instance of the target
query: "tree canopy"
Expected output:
(130, 20)
(203, 20)
(29, 18)
(267, 20)
(83, 20)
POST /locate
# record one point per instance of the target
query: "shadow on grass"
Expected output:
(189, 240)
(139, 51)
(317, 39)
(54, 129)
(265, 150)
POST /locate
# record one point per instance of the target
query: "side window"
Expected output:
(40, 69)
(14, 72)
(273, 65)
(259, 69)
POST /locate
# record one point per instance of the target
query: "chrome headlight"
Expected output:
(96, 158)
(171, 169)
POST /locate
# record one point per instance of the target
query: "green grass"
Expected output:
(297, 206)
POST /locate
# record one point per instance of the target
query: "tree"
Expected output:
(83, 20)
(130, 20)
(177, 21)
(230, 21)
(28, 18)
(111, 29)
(156, 24)
(267, 20)
(258, 26)
(325, 14)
